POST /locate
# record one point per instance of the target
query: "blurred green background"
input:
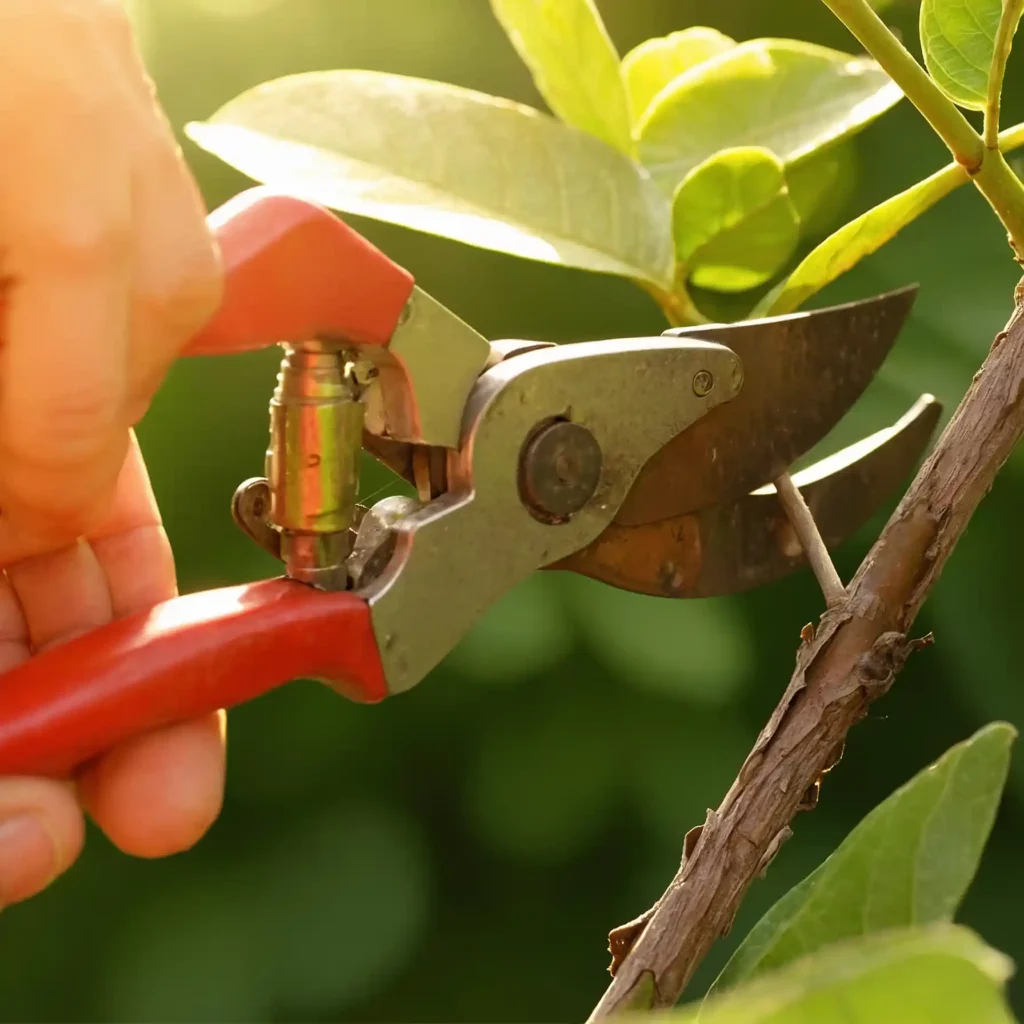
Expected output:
(460, 853)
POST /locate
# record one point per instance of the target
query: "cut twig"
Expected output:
(844, 665)
(810, 539)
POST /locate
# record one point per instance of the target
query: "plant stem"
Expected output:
(1012, 10)
(1005, 194)
(939, 111)
(996, 182)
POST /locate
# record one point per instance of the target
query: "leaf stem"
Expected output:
(676, 306)
(938, 110)
(1012, 10)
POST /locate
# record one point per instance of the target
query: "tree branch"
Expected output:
(842, 667)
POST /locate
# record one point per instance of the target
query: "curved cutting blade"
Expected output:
(801, 372)
(743, 544)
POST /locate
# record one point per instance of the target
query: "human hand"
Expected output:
(108, 268)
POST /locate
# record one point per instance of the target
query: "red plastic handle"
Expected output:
(182, 659)
(294, 271)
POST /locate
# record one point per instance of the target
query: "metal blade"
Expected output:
(743, 544)
(801, 374)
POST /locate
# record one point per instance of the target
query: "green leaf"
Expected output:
(733, 221)
(822, 186)
(790, 97)
(941, 974)
(450, 162)
(573, 62)
(958, 40)
(846, 247)
(649, 67)
(908, 862)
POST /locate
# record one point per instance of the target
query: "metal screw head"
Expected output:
(703, 382)
(559, 470)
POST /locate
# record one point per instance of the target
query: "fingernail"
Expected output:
(28, 858)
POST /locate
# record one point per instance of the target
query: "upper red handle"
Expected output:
(183, 659)
(293, 271)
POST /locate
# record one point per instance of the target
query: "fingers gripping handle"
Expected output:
(185, 658)
(293, 271)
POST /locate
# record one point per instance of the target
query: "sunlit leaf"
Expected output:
(573, 62)
(649, 67)
(941, 974)
(859, 238)
(958, 40)
(790, 97)
(733, 221)
(451, 162)
(908, 862)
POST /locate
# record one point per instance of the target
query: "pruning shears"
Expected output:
(643, 462)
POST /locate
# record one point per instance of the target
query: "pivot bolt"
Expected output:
(703, 382)
(559, 470)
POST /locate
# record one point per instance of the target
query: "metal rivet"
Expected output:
(559, 470)
(703, 382)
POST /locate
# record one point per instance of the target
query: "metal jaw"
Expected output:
(454, 557)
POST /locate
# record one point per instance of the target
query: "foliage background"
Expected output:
(459, 853)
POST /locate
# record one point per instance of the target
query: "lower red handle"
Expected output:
(183, 659)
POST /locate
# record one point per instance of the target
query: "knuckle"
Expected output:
(188, 292)
(81, 244)
(69, 428)
(60, 498)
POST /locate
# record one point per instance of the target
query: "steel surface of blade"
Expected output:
(801, 373)
(743, 544)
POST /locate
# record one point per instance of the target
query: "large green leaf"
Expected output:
(573, 62)
(649, 67)
(958, 40)
(846, 247)
(908, 862)
(790, 97)
(941, 974)
(451, 162)
(733, 221)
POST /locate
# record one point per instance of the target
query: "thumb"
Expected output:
(41, 834)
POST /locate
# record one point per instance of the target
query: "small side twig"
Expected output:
(807, 533)
(843, 666)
